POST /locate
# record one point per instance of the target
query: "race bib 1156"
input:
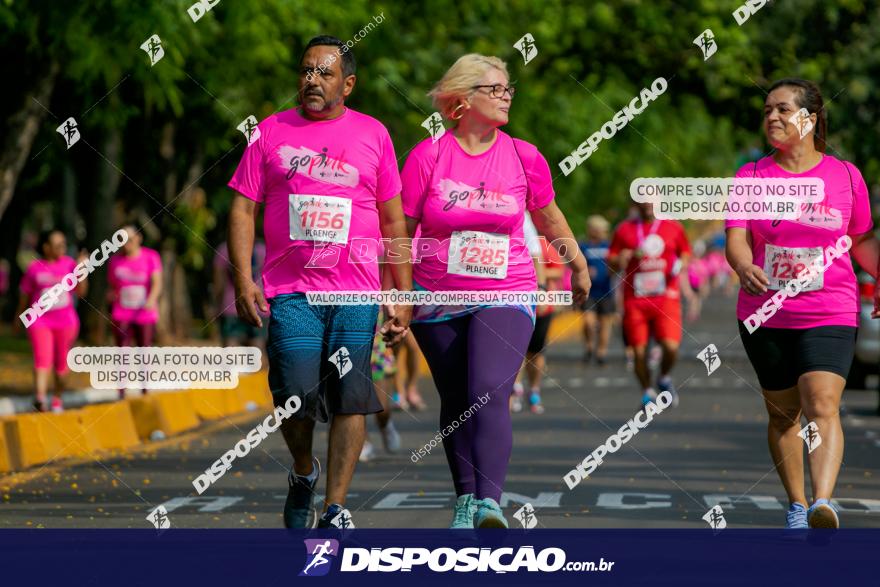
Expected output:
(319, 218)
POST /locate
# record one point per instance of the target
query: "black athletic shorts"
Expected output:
(539, 335)
(601, 306)
(781, 355)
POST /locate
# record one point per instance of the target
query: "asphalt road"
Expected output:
(710, 450)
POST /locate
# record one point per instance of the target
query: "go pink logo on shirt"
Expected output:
(318, 166)
(458, 194)
(127, 274)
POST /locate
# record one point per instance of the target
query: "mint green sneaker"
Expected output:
(463, 514)
(489, 514)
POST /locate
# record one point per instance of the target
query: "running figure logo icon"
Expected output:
(434, 125)
(159, 518)
(153, 47)
(526, 45)
(715, 518)
(801, 120)
(810, 434)
(710, 358)
(317, 553)
(324, 257)
(706, 43)
(248, 127)
(526, 516)
(70, 131)
(342, 520)
(342, 360)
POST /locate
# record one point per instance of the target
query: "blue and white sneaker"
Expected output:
(822, 515)
(298, 509)
(336, 516)
(796, 518)
(489, 514)
(535, 404)
(665, 384)
(649, 396)
(463, 514)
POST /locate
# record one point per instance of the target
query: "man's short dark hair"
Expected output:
(349, 66)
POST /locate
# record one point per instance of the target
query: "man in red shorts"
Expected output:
(653, 253)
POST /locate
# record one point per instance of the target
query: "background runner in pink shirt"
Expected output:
(135, 277)
(53, 333)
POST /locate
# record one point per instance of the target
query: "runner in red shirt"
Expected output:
(653, 254)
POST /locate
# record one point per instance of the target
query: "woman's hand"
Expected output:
(753, 279)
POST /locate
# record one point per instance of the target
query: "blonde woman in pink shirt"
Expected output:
(799, 326)
(468, 192)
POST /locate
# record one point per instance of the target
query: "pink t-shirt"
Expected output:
(42, 275)
(844, 210)
(321, 183)
(129, 279)
(698, 272)
(716, 263)
(221, 261)
(455, 195)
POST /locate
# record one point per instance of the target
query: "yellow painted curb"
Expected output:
(25, 444)
(5, 465)
(565, 326)
(212, 404)
(112, 425)
(75, 439)
(255, 388)
(33, 439)
(170, 412)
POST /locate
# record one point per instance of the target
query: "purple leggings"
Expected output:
(471, 357)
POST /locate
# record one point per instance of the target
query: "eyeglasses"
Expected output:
(497, 90)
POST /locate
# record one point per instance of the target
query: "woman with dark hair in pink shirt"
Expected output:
(798, 304)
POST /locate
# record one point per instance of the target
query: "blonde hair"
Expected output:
(459, 80)
(597, 223)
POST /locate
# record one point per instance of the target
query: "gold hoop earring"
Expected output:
(452, 114)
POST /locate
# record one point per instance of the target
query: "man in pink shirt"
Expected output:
(326, 175)
(135, 278)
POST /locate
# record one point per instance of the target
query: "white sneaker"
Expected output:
(654, 357)
(516, 400)
(390, 438)
(368, 453)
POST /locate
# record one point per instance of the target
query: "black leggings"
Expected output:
(781, 355)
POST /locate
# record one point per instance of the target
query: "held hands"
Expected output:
(396, 326)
